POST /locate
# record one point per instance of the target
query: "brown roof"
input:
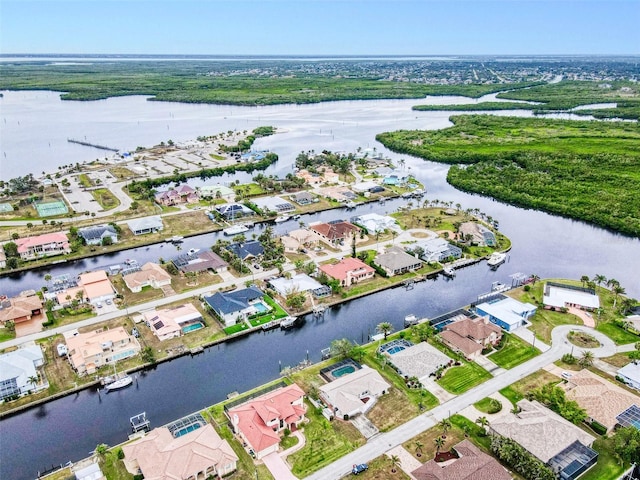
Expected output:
(341, 270)
(20, 306)
(464, 344)
(335, 231)
(149, 272)
(473, 464)
(475, 329)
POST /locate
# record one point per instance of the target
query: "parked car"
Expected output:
(135, 332)
(62, 349)
(108, 301)
(565, 375)
(361, 467)
(99, 305)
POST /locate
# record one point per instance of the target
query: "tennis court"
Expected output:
(51, 209)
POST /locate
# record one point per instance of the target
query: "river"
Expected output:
(69, 428)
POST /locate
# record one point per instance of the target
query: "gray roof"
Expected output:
(97, 232)
(235, 301)
(145, 223)
(198, 261)
(251, 248)
(396, 258)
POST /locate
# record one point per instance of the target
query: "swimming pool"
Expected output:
(395, 349)
(344, 370)
(340, 369)
(395, 346)
(192, 327)
(260, 307)
(185, 430)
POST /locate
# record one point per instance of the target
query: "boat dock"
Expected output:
(139, 422)
(196, 350)
(94, 145)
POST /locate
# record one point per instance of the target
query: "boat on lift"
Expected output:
(496, 259)
(449, 272)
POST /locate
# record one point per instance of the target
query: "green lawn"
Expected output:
(6, 335)
(458, 380)
(488, 405)
(619, 335)
(514, 352)
(608, 467)
(325, 442)
(238, 327)
(518, 390)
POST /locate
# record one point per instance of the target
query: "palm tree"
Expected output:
(534, 278)
(395, 463)
(385, 328)
(445, 425)
(617, 290)
(101, 449)
(419, 446)
(584, 279)
(33, 380)
(586, 360)
(599, 279)
(439, 441)
(482, 421)
(612, 282)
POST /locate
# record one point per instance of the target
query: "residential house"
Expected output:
(327, 175)
(90, 472)
(46, 245)
(260, 420)
(96, 234)
(234, 211)
(469, 337)
(348, 271)
(150, 275)
(602, 399)
(335, 233)
(90, 351)
(235, 306)
(273, 204)
(303, 198)
(169, 323)
(145, 225)
(630, 417)
(355, 393)
(558, 295)
(198, 454)
(436, 250)
(477, 234)
(375, 223)
(420, 361)
(395, 178)
(471, 464)
(19, 371)
(200, 261)
(21, 308)
(362, 187)
(299, 283)
(181, 194)
(395, 261)
(339, 193)
(299, 238)
(556, 442)
(506, 312)
(246, 250)
(217, 191)
(97, 287)
(630, 374)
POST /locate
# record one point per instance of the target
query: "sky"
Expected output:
(321, 27)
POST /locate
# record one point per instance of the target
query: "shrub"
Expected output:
(527, 288)
(598, 428)
(120, 454)
(569, 359)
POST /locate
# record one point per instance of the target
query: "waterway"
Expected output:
(69, 428)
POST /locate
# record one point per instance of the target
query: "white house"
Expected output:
(18, 369)
(631, 374)
(354, 393)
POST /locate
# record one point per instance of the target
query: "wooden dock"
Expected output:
(94, 145)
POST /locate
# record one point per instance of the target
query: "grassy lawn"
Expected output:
(380, 469)
(458, 380)
(288, 442)
(392, 410)
(517, 391)
(618, 360)
(488, 405)
(325, 442)
(84, 180)
(238, 327)
(276, 313)
(105, 198)
(514, 352)
(6, 335)
(249, 189)
(113, 468)
(582, 339)
(619, 335)
(608, 467)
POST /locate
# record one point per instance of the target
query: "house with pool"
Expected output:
(172, 322)
(236, 306)
(506, 312)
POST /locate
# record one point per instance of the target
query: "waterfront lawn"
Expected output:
(249, 190)
(618, 334)
(513, 352)
(379, 282)
(458, 380)
(238, 327)
(112, 467)
(276, 313)
(105, 198)
(518, 390)
(325, 442)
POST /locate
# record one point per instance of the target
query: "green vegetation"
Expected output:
(608, 466)
(582, 339)
(84, 180)
(618, 334)
(458, 380)
(325, 442)
(511, 453)
(112, 467)
(105, 198)
(554, 397)
(584, 170)
(514, 351)
(488, 405)
(519, 390)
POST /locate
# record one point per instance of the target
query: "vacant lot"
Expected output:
(514, 352)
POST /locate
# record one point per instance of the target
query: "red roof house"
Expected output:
(335, 232)
(260, 420)
(43, 245)
(348, 271)
(469, 336)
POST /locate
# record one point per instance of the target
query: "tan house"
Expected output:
(354, 393)
(97, 287)
(196, 455)
(21, 308)
(602, 399)
(395, 261)
(90, 351)
(325, 175)
(150, 275)
(469, 337)
(168, 322)
(335, 232)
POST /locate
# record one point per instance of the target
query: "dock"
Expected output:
(94, 145)
(196, 350)
(139, 422)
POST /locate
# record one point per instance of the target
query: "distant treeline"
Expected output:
(584, 170)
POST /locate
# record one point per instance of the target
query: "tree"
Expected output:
(534, 279)
(10, 326)
(418, 444)
(617, 291)
(395, 463)
(172, 269)
(439, 441)
(627, 444)
(341, 348)
(584, 279)
(445, 425)
(385, 328)
(599, 279)
(101, 449)
(11, 249)
(586, 359)
(482, 421)
(33, 380)
(295, 299)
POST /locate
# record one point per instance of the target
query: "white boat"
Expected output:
(410, 320)
(235, 230)
(122, 382)
(448, 272)
(496, 259)
(175, 239)
(288, 322)
(282, 218)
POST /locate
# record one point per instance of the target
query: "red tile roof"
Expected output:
(341, 269)
(335, 231)
(57, 237)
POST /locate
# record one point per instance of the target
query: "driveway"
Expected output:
(278, 467)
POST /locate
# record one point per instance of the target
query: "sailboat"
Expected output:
(122, 380)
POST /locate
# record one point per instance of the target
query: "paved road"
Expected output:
(401, 434)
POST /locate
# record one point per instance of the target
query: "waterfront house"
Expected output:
(299, 283)
(395, 178)
(21, 308)
(421, 360)
(197, 454)
(150, 275)
(303, 198)
(19, 371)
(630, 374)
(92, 350)
(234, 307)
(338, 193)
(246, 250)
(469, 337)
(335, 233)
(145, 225)
(325, 175)
(259, 421)
(506, 312)
(89, 472)
(559, 444)
(375, 223)
(471, 464)
(96, 234)
(395, 261)
(169, 323)
(274, 204)
(97, 287)
(363, 187)
(181, 194)
(234, 211)
(217, 191)
(348, 271)
(477, 234)
(602, 399)
(558, 295)
(355, 393)
(199, 261)
(46, 245)
(436, 250)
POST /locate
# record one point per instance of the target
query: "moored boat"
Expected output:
(235, 230)
(288, 322)
(410, 320)
(448, 272)
(282, 218)
(122, 382)
(496, 259)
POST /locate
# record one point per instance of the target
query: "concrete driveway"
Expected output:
(278, 467)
